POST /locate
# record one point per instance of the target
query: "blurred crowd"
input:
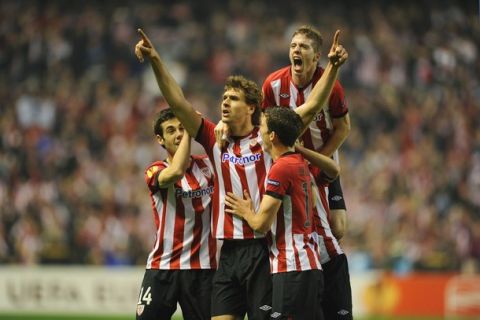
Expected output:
(76, 112)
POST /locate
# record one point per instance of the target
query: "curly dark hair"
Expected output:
(286, 124)
(161, 117)
(253, 95)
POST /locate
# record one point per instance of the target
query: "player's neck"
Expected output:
(280, 149)
(302, 80)
(242, 129)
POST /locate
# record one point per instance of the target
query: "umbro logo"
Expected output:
(336, 198)
(275, 315)
(284, 95)
(343, 312)
(265, 307)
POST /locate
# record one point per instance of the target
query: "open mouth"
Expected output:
(297, 62)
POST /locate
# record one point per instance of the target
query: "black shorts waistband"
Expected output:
(244, 242)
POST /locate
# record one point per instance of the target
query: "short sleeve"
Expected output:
(278, 182)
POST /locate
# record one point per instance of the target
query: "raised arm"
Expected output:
(243, 208)
(328, 166)
(168, 86)
(322, 89)
(179, 164)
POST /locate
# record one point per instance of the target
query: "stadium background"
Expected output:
(76, 110)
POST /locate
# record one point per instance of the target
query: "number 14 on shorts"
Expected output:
(145, 298)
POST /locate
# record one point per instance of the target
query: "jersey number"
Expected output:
(146, 297)
(307, 201)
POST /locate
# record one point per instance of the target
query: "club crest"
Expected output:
(140, 308)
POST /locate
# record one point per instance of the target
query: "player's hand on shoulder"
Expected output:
(222, 132)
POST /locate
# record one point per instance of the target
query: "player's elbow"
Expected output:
(335, 171)
(173, 176)
(345, 127)
(177, 174)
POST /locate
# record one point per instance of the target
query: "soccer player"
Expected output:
(242, 282)
(289, 87)
(182, 263)
(286, 210)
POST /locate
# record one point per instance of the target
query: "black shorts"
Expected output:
(335, 196)
(297, 295)
(162, 289)
(242, 283)
(337, 298)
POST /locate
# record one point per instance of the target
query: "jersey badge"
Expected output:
(273, 182)
(151, 171)
(206, 172)
(140, 308)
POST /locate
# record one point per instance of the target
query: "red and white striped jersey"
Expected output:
(279, 90)
(327, 243)
(182, 217)
(239, 165)
(292, 237)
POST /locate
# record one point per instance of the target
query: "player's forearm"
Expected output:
(168, 86)
(179, 164)
(181, 157)
(341, 130)
(319, 96)
(174, 96)
(257, 223)
(338, 223)
(334, 142)
(326, 164)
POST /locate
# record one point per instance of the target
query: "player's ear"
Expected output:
(272, 135)
(251, 109)
(160, 140)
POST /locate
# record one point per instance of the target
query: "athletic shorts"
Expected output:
(337, 298)
(297, 295)
(162, 289)
(335, 196)
(242, 283)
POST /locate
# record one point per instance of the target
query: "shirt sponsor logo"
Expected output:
(193, 193)
(273, 182)
(241, 160)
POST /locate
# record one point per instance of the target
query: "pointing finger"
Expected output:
(335, 38)
(143, 35)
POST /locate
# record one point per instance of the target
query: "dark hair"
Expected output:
(253, 95)
(285, 122)
(312, 34)
(162, 116)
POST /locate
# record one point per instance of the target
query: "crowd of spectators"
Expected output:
(76, 109)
